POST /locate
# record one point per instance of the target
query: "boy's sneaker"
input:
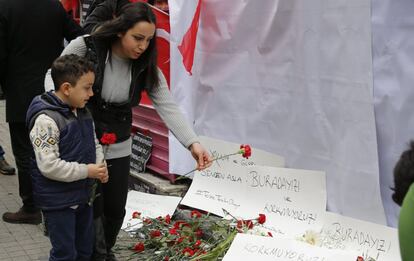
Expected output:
(23, 217)
(5, 168)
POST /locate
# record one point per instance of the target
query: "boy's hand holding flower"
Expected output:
(98, 171)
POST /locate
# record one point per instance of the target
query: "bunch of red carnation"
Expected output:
(162, 238)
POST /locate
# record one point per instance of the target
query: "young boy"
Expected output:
(68, 156)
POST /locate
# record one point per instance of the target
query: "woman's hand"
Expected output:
(201, 155)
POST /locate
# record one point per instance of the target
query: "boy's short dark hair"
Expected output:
(403, 175)
(69, 68)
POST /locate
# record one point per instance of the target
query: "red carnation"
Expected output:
(168, 219)
(139, 247)
(108, 138)
(199, 233)
(195, 214)
(360, 258)
(188, 251)
(167, 258)
(249, 224)
(180, 224)
(197, 244)
(181, 239)
(155, 233)
(246, 150)
(261, 219)
(136, 214)
(239, 224)
(173, 231)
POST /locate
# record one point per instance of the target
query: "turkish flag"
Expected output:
(188, 43)
(163, 47)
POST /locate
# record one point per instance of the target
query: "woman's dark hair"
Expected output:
(128, 16)
(403, 175)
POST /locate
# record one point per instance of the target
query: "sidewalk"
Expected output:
(17, 242)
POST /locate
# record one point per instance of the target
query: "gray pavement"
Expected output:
(17, 242)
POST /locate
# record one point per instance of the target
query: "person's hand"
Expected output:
(105, 178)
(201, 155)
(98, 171)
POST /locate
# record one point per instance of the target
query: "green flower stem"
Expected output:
(215, 159)
(93, 193)
(219, 250)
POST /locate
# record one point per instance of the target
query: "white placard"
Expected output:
(216, 188)
(149, 205)
(368, 239)
(219, 148)
(293, 200)
(249, 247)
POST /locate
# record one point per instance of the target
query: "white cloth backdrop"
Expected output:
(393, 65)
(292, 77)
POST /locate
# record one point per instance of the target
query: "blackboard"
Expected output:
(141, 151)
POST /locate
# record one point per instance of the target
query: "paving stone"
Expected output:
(14, 237)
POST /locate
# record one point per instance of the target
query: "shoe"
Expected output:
(22, 216)
(5, 168)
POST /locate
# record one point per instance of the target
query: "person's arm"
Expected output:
(176, 123)
(45, 141)
(170, 113)
(102, 12)
(78, 47)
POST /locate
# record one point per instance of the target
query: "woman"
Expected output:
(124, 52)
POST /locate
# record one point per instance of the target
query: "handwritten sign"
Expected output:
(293, 200)
(249, 247)
(368, 239)
(216, 188)
(149, 205)
(218, 148)
(141, 151)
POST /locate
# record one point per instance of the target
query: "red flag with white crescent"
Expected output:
(163, 47)
(187, 46)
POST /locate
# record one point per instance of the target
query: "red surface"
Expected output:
(147, 121)
(163, 47)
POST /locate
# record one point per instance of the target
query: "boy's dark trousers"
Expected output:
(71, 233)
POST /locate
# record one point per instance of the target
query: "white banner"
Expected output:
(393, 62)
(291, 77)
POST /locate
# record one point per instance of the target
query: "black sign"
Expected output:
(141, 151)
